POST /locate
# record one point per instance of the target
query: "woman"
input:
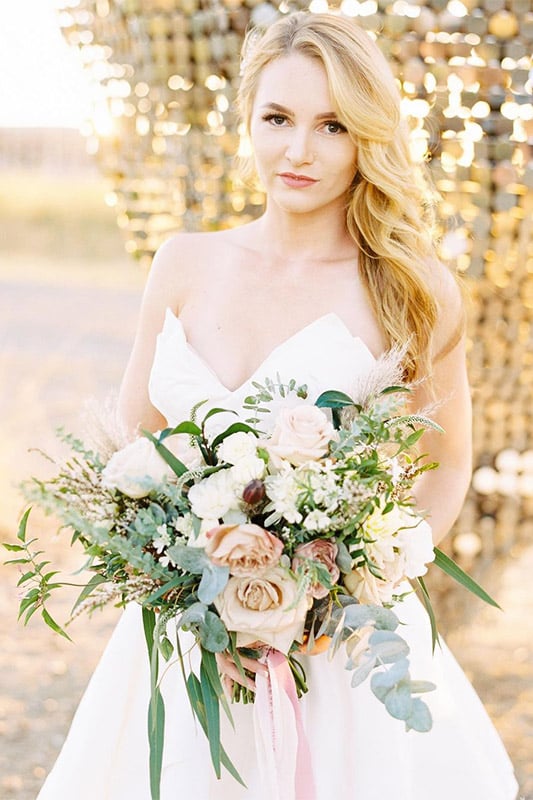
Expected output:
(340, 267)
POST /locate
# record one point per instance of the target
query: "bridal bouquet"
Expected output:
(269, 545)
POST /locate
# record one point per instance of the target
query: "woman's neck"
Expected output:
(318, 236)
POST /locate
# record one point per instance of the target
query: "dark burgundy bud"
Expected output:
(253, 492)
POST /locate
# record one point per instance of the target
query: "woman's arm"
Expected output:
(162, 291)
(441, 492)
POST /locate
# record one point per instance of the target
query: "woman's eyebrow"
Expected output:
(284, 110)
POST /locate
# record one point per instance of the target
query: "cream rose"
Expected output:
(368, 589)
(325, 553)
(300, 434)
(134, 469)
(261, 608)
(214, 496)
(245, 549)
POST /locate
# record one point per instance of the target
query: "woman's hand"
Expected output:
(231, 674)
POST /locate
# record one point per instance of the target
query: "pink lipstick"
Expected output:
(296, 181)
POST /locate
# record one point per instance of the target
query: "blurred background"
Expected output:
(116, 128)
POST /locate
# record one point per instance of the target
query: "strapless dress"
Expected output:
(358, 751)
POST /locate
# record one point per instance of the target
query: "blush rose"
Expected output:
(300, 434)
(325, 553)
(245, 549)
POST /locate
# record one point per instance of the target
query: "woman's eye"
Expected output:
(276, 119)
(334, 127)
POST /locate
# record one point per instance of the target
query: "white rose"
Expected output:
(416, 543)
(300, 434)
(260, 608)
(214, 496)
(237, 447)
(248, 469)
(137, 468)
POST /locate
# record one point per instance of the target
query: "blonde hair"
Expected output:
(389, 209)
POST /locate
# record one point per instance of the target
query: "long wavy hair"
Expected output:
(390, 210)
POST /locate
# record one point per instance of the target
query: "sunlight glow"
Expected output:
(43, 83)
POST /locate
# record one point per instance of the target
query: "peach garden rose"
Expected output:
(245, 548)
(262, 608)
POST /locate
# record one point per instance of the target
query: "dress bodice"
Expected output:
(323, 354)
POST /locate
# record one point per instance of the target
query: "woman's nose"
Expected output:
(299, 148)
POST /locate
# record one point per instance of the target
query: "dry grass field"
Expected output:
(68, 304)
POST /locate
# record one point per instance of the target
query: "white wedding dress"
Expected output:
(358, 751)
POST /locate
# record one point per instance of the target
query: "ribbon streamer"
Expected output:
(283, 751)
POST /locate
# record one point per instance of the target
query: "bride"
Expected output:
(340, 267)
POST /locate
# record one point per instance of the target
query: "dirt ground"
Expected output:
(66, 326)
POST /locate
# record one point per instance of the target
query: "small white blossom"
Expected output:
(283, 490)
(163, 539)
(317, 521)
(184, 524)
(167, 561)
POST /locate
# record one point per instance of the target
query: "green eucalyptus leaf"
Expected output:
(213, 634)
(361, 673)
(191, 559)
(420, 717)
(398, 701)
(388, 646)
(213, 581)
(194, 615)
(419, 687)
(358, 614)
(386, 679)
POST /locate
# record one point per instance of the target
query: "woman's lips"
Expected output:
(296, 181)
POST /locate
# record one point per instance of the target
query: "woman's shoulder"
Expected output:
(187, 260)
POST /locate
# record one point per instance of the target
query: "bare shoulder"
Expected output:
(182, 262)
(450, 327)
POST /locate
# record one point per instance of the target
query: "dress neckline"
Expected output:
(330, 316)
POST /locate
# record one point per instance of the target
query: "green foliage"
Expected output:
(38, 582)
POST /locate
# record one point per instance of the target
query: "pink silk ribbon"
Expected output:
(282, 748)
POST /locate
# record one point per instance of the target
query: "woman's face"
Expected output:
(304, 156)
